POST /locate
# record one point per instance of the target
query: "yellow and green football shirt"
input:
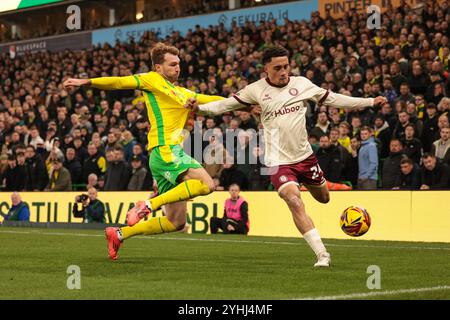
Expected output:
(164, 101)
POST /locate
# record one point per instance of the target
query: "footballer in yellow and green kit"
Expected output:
(167, 115)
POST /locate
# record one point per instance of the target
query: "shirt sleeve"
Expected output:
(246, 96)
(329, 98)
(136, 81)
(24, 214)
(244, 212)
(219, 107)
(373, 160)
(145, 81)
(115, 83)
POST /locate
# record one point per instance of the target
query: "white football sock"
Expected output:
(312, 237)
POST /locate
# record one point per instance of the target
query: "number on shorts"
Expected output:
(316, 170)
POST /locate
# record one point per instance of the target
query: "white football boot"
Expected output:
(323, 260)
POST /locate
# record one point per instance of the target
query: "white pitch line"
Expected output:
(228, 240)
(376, 293)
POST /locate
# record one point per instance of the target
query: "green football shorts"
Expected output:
(167, 163)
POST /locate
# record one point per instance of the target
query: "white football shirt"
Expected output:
(283, 117)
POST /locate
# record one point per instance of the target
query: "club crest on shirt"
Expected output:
(293, 92)
(283, 179)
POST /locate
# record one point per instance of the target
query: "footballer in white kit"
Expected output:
(288, 154)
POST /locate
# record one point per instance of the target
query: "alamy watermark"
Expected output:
(74, 278)
(73, 22)
(374, 18)
(374, 280)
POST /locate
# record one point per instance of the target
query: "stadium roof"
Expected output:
(13, 5)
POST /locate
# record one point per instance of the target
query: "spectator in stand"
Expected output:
(405, 94)
(35, 137)
(92, 182)
(391, 165)
(367, 161)
(22, 169)
(139, 152)
(356, 125)
(410, 176)
(322, 127)
(214, 156)
(351, 167)
(60, 179)
(443, 121)
(389, 91)
(226, 119)
(235, 217)
(258, 178)
(418, 81)
(334, 140)
(247, 121)
(19, 210)
(403, 121)
(14, 178)
(118, 172)
(74, 166)
(138, 175)
(112, 141)
(441, 147)
(411, 109)
(435, 175)
(383, 133)
(430, 127)
(330, 160)
(388, 114)
(96, 163)
(344, 138)
(244, 153)
(80, 150)
(412, 145)
(37, 177)
(128, 142)
(232, 175)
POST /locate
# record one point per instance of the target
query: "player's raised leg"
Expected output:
(290, 193)
(187, 175)
(320, 193)
(194, 182)
(186, 178)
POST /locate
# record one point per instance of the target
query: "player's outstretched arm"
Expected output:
(215, 107)
(105, 83)
(342, 101)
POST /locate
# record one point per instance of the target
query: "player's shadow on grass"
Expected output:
(123, 261)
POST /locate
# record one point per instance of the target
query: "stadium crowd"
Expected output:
(154, 11)
(100, 137)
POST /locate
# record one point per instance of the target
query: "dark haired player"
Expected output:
(288, 153)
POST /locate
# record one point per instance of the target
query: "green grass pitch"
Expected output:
(34, 262)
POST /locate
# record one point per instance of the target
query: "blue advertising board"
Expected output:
(297, 10)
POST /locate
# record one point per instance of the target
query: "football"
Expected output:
(355, 221)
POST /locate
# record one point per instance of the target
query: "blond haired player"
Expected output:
(288, 153)
(179, 177)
